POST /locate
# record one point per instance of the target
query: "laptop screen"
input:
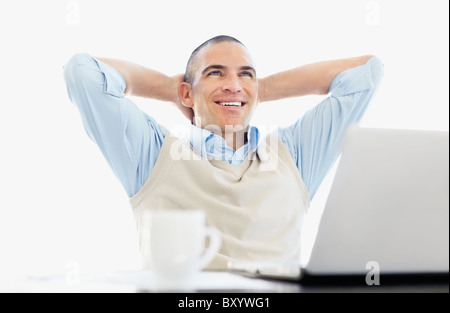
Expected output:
(388, 205)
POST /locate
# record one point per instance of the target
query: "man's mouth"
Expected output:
(230, 103)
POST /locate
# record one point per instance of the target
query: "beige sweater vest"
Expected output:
(258, 206)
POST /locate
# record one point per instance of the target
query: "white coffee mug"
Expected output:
(174, 246)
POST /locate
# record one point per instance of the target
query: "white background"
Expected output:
(62, 208)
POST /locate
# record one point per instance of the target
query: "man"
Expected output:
(254, 190)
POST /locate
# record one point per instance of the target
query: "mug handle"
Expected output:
(215, 242)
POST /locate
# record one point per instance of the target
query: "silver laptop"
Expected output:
(387, 210)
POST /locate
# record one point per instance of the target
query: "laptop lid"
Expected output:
(388, 206)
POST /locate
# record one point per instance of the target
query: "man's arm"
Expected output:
(314, 139)
(310, 79)
(145, 82)
(129, 139)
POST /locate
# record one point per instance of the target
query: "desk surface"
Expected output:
(206, 282)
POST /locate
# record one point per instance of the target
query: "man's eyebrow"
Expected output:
(221, 67)
(248, 68)
(211, 67)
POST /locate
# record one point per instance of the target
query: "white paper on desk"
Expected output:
(59, 284)
(130, 281)
(204, 281)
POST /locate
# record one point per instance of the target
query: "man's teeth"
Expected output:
(234, 104)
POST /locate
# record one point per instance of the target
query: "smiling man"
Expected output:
(224, 75)
(255, 190)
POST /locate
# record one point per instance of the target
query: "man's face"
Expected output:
(224, 92)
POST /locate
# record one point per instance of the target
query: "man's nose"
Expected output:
(232, 84)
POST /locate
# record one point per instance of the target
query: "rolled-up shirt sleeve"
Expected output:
(128, 138)
(314, 140)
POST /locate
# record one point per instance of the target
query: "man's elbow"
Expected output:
(73, 69)
(377, 70)
(81, 75)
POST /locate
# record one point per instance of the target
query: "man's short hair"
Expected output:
(190, 70)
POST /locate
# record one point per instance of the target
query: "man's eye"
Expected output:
(248, 74)
(215, 73)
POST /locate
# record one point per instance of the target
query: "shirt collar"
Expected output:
(206, 143)
(253, 137)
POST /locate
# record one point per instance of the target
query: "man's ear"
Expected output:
(185, 94)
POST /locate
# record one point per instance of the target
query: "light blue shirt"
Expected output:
(130, 140)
